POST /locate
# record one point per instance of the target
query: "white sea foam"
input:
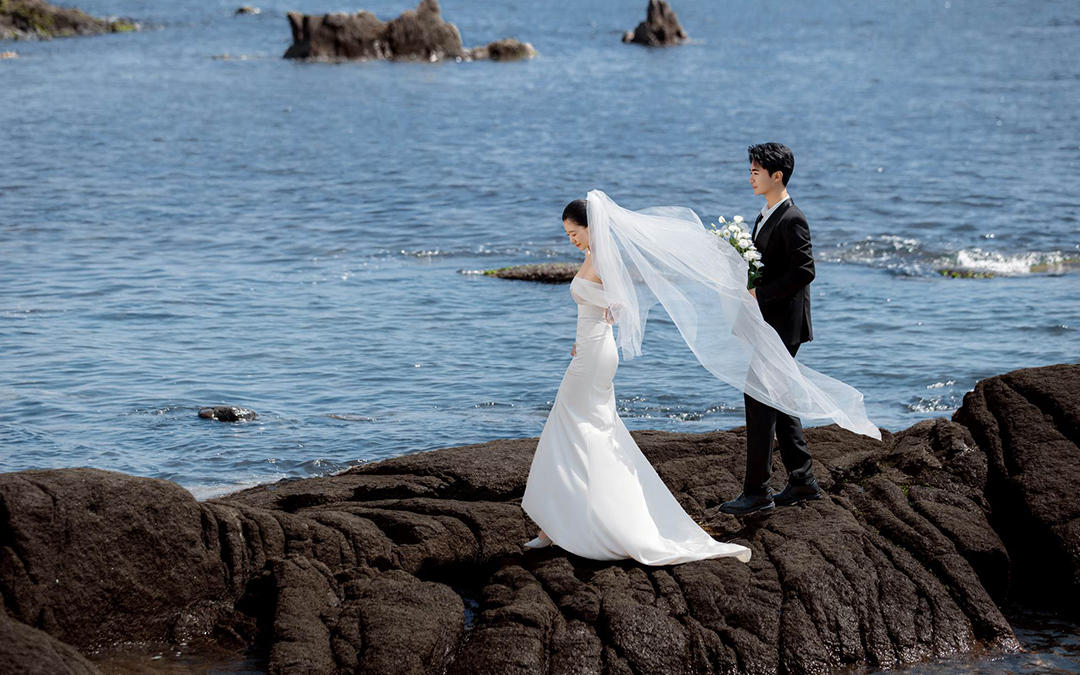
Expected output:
(204, 492)
(1012, 265)
(912, 257)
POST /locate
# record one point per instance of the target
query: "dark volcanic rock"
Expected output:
(27, 650)
(418, 34)
(659, 29)
(227, 413)
(1027, 423)
(550, 273)
(378, 568)
(93, 557)
(36, 19)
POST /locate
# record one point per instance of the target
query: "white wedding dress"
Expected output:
(590, 489)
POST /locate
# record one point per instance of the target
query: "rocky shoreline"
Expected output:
(414, 565)
(38, 20)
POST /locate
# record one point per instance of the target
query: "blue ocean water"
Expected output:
(187, 219)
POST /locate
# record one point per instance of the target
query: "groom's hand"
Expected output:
(753, 293)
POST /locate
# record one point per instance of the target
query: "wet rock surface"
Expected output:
(36, 19)
(227, 413)
(659, 29)
(414, 564)
(548, 273)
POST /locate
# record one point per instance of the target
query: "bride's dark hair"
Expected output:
(577, 212)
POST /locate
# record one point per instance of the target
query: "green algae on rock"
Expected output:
(548, 273)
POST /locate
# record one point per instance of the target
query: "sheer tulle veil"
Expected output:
(665, 255)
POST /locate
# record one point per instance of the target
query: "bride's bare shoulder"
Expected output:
(587, 271)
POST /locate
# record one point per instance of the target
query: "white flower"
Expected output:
(748, 256)
(722, 221)
(755, 255)
(738, 219)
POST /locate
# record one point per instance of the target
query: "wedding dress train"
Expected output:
(590, 489)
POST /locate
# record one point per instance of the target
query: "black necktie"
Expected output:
(753, 235)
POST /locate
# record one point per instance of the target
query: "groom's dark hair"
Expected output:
(773, 157)
(577, 211)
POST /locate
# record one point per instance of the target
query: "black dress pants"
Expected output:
(762, 424)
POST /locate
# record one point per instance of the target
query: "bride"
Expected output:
(590, 489)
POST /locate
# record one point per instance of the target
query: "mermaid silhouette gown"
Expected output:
(590, 489)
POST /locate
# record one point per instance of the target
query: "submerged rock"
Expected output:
(227, 413)
(504, 50)
(418, 35)
(36, 19)
(659, 29)
(962, 273)
(248, 9)
(374, 569)
(549, 273)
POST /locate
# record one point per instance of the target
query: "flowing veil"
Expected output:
(665, 255)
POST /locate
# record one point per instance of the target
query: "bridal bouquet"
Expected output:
(735, 234)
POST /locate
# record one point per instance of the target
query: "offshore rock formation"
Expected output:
(659, 29)
(507, 49)
(414, 564)
(419, 34)
(548, 273)
(36, 19)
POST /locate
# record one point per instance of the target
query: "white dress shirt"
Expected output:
(765, 213)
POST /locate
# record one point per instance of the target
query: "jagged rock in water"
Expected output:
(419, 34)
(550, 273)
(37, 19)
(248, 9)
(659, 29)
(227, 413)
(373, 569)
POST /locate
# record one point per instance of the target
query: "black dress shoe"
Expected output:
(744, 504)
(793, 494)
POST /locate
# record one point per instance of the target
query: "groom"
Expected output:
(782, 236)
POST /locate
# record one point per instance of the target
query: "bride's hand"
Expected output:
(609, 317)
(573, 350)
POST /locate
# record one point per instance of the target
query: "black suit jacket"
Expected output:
(783, 289)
